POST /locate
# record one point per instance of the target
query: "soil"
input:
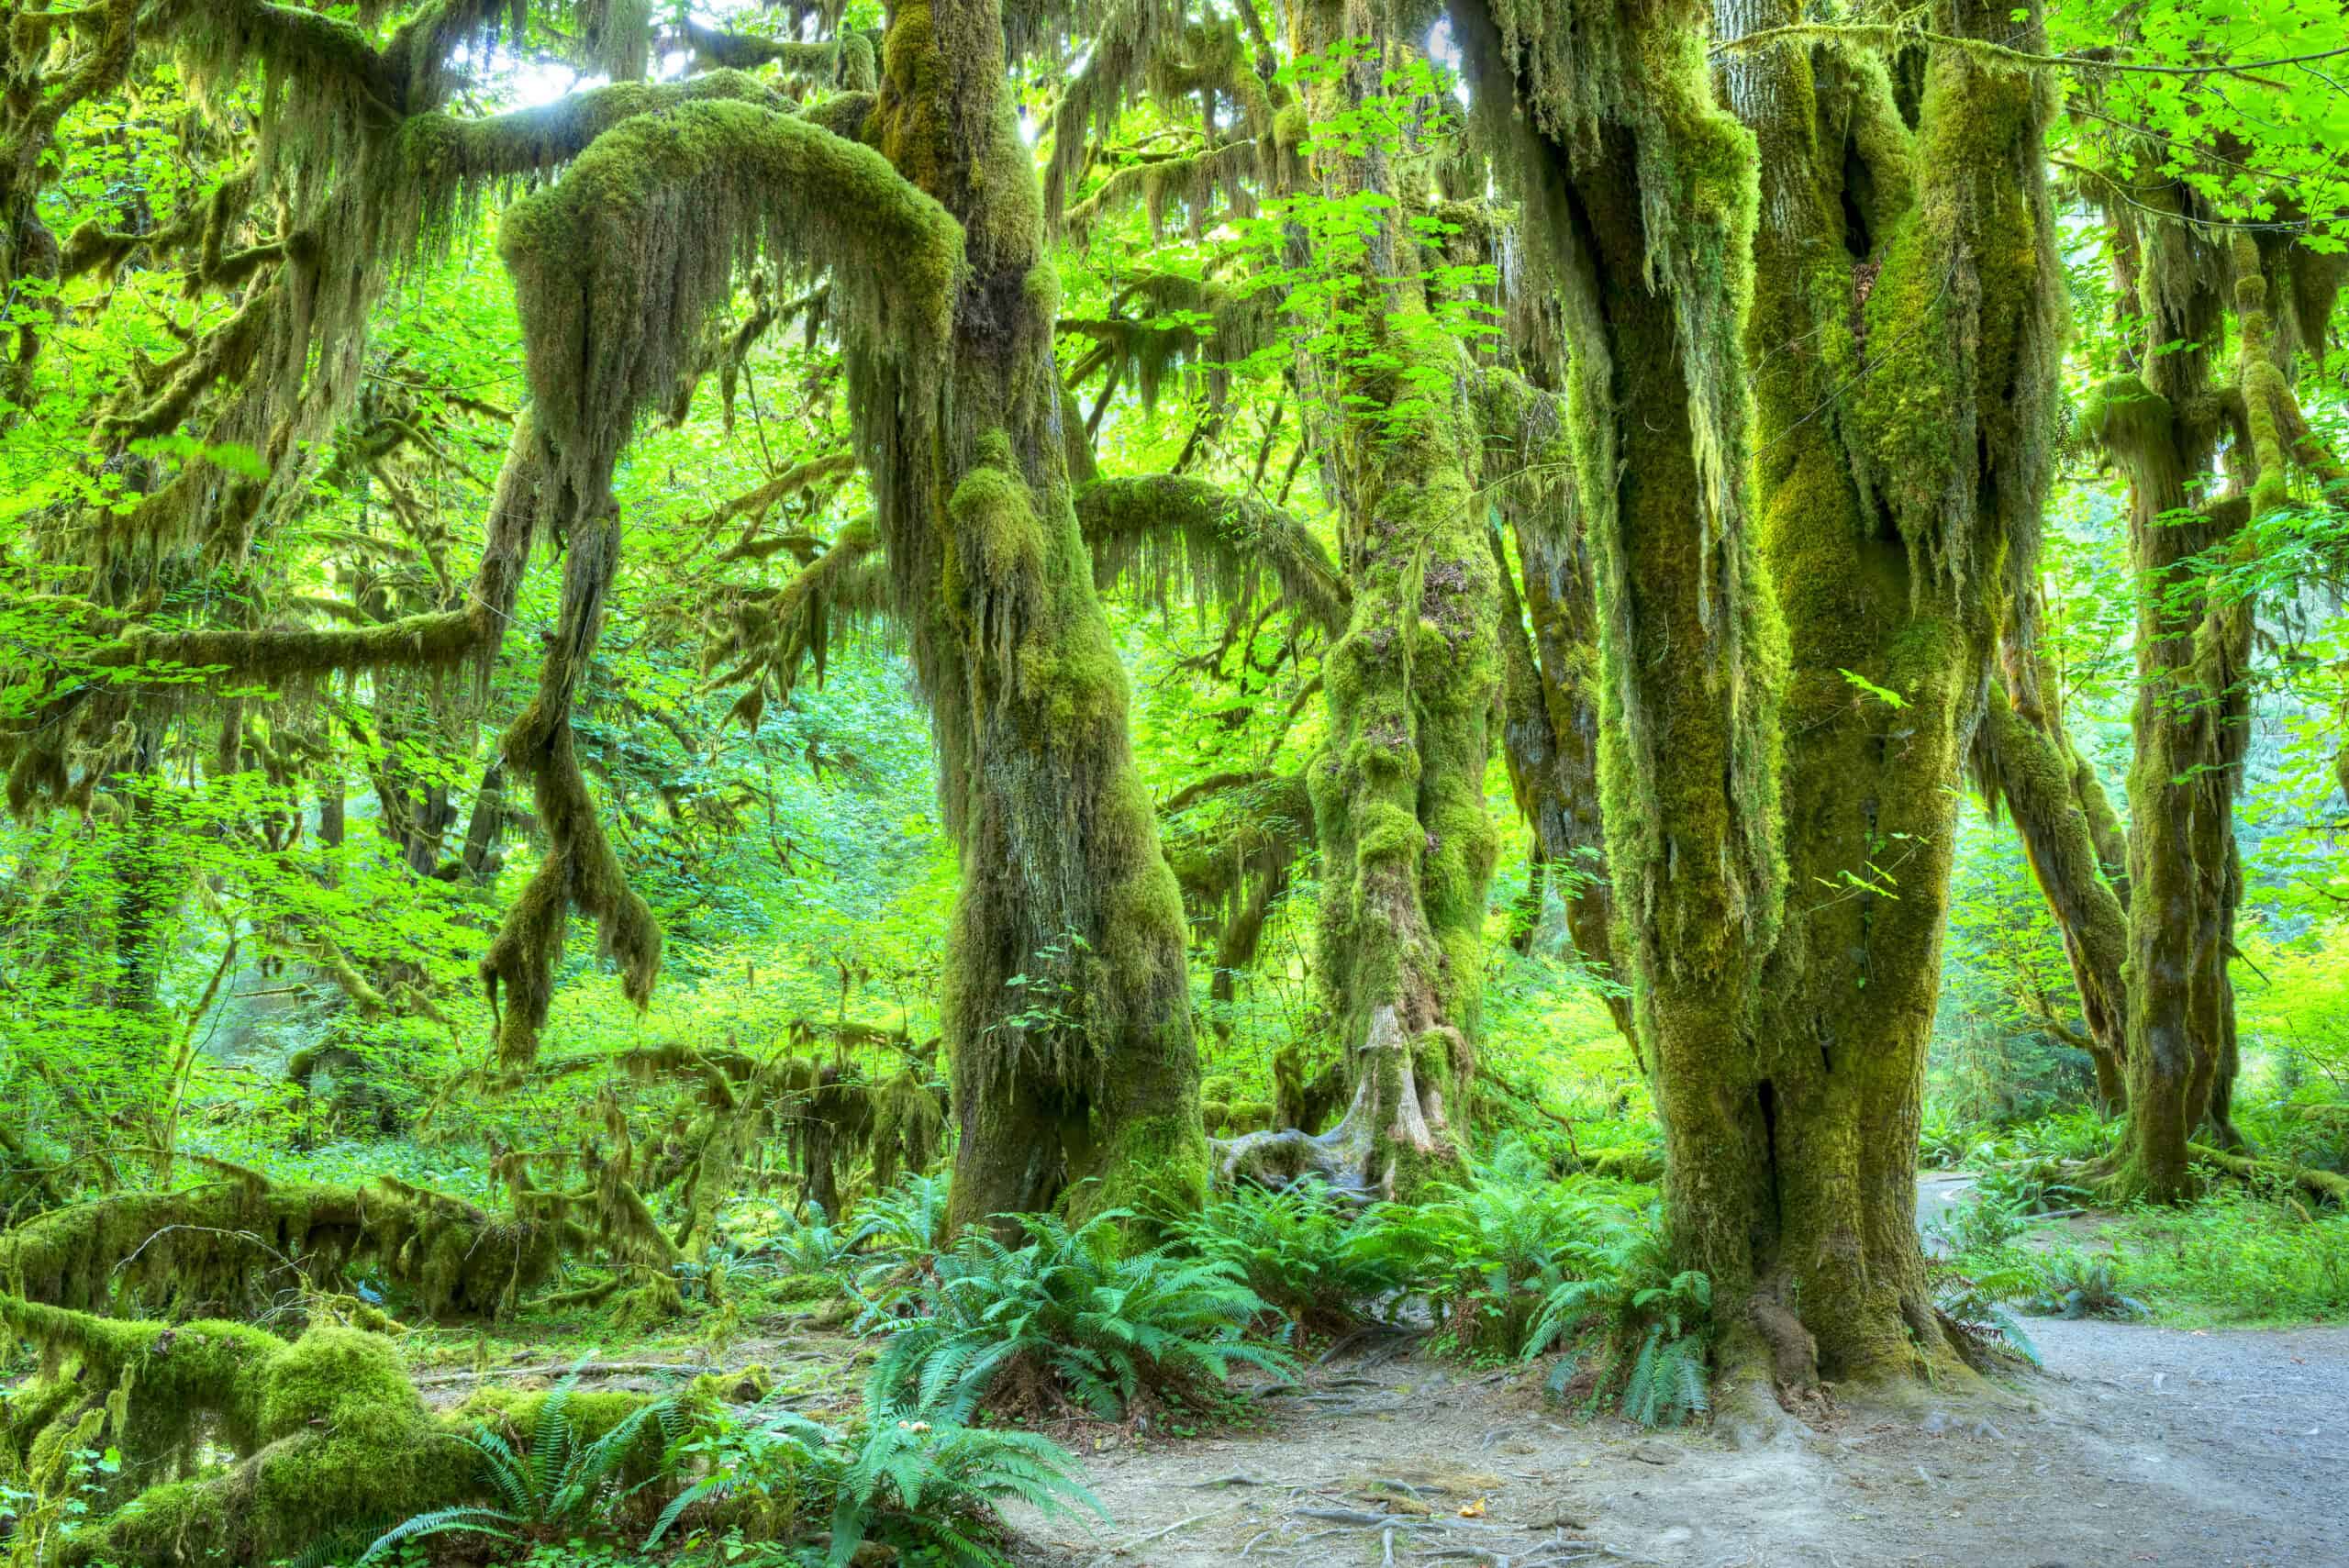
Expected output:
(2138, 1445)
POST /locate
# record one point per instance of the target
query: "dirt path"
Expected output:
(2139, 1446)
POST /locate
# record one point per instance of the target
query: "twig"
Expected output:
(614, 1369)
(1170, 1529)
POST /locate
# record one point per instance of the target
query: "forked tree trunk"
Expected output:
(1919, 259)
(1407, 847)
(1786, 927)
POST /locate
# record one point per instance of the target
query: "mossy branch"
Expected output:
(1893, 36)
(620, 264)
(1154, 527)
(773, 636)
(446, 157)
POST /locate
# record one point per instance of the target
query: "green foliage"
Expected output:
(1973, 1301)
(2074, 1284)
(2237, 1257)
(1492, 1254)
(1064, 1322)
(907, 1222)
(901, 1476)
(766, 1238)
(1319, 1261)
(561, 1484)
(1652, 1324)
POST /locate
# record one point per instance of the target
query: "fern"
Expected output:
(905, 1475)
(1972, 1304)
(1490, 1255)
(1316, 1260)
(1652, 1324)
(493, 1522)
(1080, 1328)
(2073, 1284)
(556, 1488)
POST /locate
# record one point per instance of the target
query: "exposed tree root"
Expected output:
(2323, 1186)
(1382, 1145)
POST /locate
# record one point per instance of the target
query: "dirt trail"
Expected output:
(2139, 1445)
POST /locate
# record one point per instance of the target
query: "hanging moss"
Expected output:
(617, 269)
(1163, 528)
(1233, 849)
(618, 266)
(1550, 689)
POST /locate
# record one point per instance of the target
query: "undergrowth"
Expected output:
(1065, 1324)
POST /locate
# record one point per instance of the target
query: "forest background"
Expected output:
(245, 898)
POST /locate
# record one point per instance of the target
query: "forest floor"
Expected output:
(2185, 1449)
(2182, 1448)
(2179, 1447)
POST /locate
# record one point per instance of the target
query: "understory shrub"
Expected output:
(1063, 1324)
(1972, 1300)
(1313, 1258)
(561, 1484)
(2073, 1284)
(906, 1479)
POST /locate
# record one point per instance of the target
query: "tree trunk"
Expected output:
(1549, 702)
(2189, 724)
(2031, 768)
(1639, 201)
(1398, 794)
(1067, 1006)
(1789, 1060)
(1919, 261)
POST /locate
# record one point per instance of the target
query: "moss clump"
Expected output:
(317, 1433)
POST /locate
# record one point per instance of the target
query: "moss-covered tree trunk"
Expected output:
(1067, 1006)
(1912, 258)
(2191, 725)
(1784, 917)
(1550, 681)
(1639, 197)
(2028, 764)
(1067, 1009)
(1399, 797)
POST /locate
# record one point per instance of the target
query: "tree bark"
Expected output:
(1067, 1008)
(1398, 794)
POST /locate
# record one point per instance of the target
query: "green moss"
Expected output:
(1155, 1162)
(907, 122)
(317, 1433)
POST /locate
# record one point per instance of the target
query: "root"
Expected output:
(2323, 1186)
(1392, 1139)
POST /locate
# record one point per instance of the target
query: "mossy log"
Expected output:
(323, 1431)
(230, 1245)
